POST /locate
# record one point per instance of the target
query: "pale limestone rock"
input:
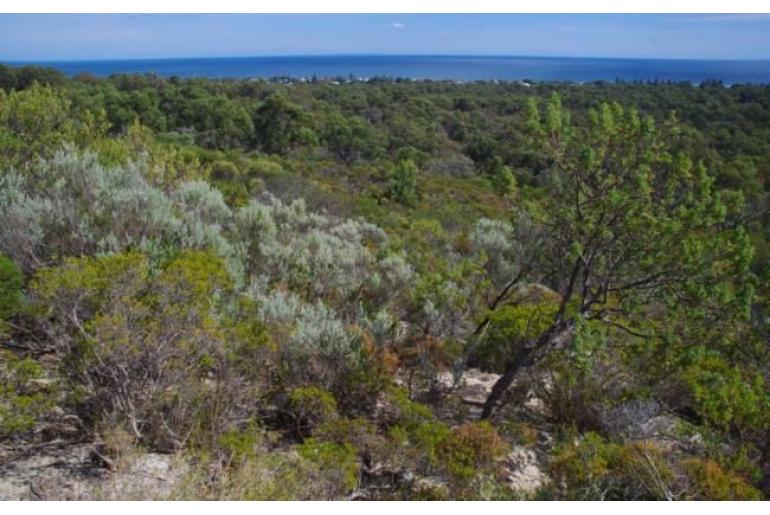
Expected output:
(525, 474)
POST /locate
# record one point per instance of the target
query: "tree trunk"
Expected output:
(502, 384)
(554, 337)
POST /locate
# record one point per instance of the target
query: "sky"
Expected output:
(45, 37)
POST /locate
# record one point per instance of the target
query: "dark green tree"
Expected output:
(351, 138)
(277, 124)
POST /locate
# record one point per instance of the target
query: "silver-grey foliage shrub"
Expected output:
(314, 255)
(317, 342)
(495, 240)
(309, 271)
(204, 217)
(71, 205)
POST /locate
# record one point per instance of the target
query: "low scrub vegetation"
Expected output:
(389, 290)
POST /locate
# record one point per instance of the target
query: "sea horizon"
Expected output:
(372, 54)
(456, 67)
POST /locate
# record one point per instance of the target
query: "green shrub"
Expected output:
(11, 297)
(726, 395)
(151, 350)
(470, 449)
(23, 397)
(409, 414)
(510, 327)
(358, 432)
(593, 468)
(33, 122)
(403, 183)
(415, 432)
(240, 444)
(464, 457)
(312, 406)
(520, 432)
(261, 474)
(585, 385)
(428, 439)
(710, 482)
(338, 462)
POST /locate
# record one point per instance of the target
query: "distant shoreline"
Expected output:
(427, 68)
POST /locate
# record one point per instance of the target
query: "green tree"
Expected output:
(277, 124)
(501, 177)
(628, 226)
(351, 139)
(33, 122)
(403, 183)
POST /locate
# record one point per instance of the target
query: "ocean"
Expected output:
(461, 68)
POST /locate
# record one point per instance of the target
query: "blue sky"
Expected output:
(125, 36)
